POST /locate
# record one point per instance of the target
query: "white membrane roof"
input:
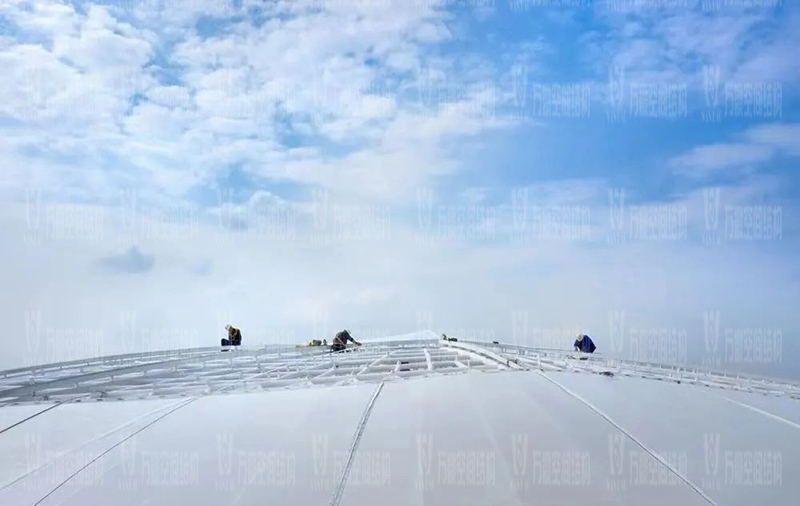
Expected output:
(415, 421)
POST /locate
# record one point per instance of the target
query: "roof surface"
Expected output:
(407, 422)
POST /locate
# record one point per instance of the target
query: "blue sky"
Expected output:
(291, 166)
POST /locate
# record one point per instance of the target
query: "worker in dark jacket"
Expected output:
(234, 336)
(584, 343)
(341, 339)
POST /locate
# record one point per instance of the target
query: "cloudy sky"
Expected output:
(497, 170)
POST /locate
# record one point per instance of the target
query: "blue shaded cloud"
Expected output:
(132, 261)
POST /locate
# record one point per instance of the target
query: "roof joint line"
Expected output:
(103, 454)
(761, 411)
(633, 438)
(337, 495)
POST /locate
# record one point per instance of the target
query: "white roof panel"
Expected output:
(503, 438)
(721, 443)
(228, 449)
(404, 421)
(12, 415)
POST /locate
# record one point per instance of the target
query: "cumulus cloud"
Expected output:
(151, 101)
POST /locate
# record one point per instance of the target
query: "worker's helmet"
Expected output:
(580, 337)
(228, 327)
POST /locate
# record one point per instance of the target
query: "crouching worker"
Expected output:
(584, 343)
(234, 336)
(341, 339)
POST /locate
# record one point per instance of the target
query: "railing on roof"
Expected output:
(206, 370)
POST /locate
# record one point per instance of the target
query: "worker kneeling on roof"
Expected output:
(234, 336)
(341, 339)
(585, 344)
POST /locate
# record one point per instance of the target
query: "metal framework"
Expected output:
(207, 370)
(202, 371)
(560, 360)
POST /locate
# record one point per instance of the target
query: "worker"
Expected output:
(584, 343)
(234, 336)
(341, 339)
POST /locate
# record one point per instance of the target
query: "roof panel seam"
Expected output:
(633, 438)
(337, 495)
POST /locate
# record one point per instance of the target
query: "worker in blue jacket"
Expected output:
(585, 344)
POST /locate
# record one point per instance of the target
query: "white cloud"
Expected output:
(762, 144)
(103, 43)
(783, 136)
(110, 99)
(674, 45)
(703, 160)
(243, 96)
